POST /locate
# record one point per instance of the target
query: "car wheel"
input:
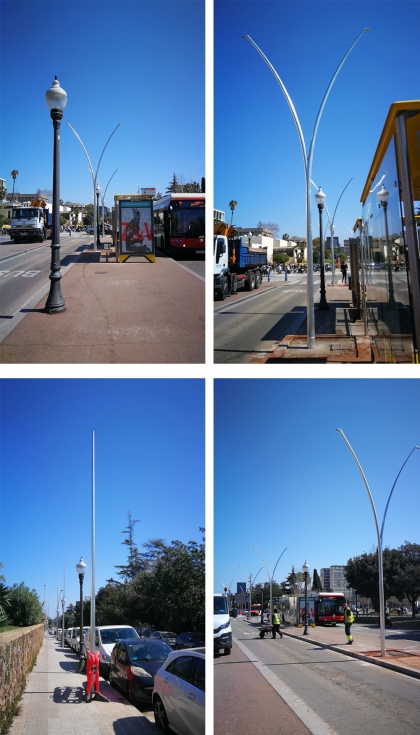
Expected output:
(227, 651)
(130, 696)
(161, 719)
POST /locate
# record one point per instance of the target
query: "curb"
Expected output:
(361, 656)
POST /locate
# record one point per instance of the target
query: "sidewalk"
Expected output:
(402, 654)
(52, 703)
(132, 312)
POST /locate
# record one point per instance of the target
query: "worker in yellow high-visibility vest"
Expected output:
(348, 620)
(275, 621)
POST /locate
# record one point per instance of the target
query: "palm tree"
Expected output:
(14, 174)
(232, 206)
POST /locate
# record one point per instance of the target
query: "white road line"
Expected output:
(309, 717)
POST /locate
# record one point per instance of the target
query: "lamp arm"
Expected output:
(86, 153)
(390, 494)
(366, 485)
(99, 163)
(289, 101)
(278, 560)
(321, 109)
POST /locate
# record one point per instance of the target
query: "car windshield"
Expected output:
(153, 651)
(112, 635)
(220, 606)
(168, 635)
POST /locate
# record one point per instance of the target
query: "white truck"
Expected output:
(222, 632)
(31, 223)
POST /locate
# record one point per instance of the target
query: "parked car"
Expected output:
(67, 636)
(106, 636)
(179, 693)
(89, 230)
(144, 632)
(134, 664)
(190, 640)
(74, 640)
(165, 636)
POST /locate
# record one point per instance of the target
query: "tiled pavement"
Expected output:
(53, 705)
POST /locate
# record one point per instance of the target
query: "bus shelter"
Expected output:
(133, 230)
(387, 238)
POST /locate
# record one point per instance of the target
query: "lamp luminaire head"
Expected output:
(55, 96)
(306, 567)
(320, 197)
(81, 567)
(383, 195)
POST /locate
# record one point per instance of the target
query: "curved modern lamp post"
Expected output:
(320, 200)
(56, 100)
(43, 606)
(94, 176)
(379, 535)
(332, 228)
(270, 578)
(103, 203)
(98, 194)
(250, 583)
(307, 163)
(81, 569)
(305, 569)
(383, 196)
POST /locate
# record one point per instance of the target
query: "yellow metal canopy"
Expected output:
(413, 143)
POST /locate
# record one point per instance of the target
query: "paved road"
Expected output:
(27, 273)
(253, 325)
(24, 274)
(339, 694)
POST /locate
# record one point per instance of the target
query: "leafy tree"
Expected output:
(88, 217)
(316, 243)
(3, 192)
(174, 185)
(285, 237)
(340, 254)
(275, 229)
(134, 563)
(281, 258)
(406, 577)
(24, 606)
(172, 595)
(401, 570)
(232, 206)
(317, 584)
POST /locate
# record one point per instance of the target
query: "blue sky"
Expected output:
(285, 477)
(149, 461)
(258, 159)
(139, 62)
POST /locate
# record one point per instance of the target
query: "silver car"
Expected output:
(179, 693)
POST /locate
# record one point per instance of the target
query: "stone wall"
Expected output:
(18, 651)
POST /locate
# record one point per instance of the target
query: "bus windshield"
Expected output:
(331, 606)
(187, 223)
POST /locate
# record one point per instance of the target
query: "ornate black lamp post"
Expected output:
(80, 569)
(383, 196)
(56, 100)
(306, 573)
(320, 200)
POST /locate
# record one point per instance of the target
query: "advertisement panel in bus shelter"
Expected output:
(311, 610)
(136, 227)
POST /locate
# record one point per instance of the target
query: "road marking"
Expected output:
(308, 716)
(24, 274)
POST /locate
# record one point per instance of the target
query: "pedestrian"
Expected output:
(344, 272)
(275, 622)
(348, 620)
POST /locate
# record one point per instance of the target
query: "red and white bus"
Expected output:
(329, 608)
(179, 221)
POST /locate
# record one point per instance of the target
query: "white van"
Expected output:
(222, 632)
(106, 636)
